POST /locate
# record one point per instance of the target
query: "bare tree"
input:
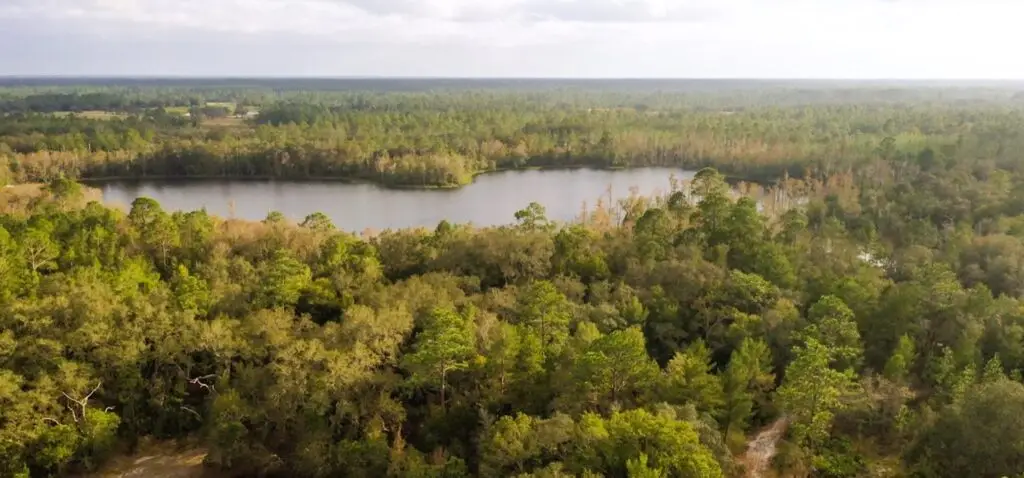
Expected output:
(82, 403)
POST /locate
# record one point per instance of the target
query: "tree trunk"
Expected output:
(444, 382)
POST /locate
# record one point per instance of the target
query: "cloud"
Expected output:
(618, 11)
(622, 38)
(288, 14)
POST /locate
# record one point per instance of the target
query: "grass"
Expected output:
(225, 121)
(177, 110)
(173, 110)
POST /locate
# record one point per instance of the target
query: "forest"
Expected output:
(878, 325)
(443, 135)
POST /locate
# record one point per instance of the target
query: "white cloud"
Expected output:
(751, 38)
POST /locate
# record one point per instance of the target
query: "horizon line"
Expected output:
(486, 78)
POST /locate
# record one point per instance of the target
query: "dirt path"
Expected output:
(760, 450)
(167, 461)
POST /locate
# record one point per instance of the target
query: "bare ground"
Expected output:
(158, 460)
(758, 458)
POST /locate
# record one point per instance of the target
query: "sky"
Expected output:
(873, 39)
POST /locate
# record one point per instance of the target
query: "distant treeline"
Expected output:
(81, 94)
(443, 138)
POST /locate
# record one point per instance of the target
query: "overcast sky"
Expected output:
(515, 38)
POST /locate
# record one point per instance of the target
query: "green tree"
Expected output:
(832, 325)
(993, 371)
(39, 249)
(446, 345)
(615, 368)
(689, 379)
(533, 217)
(638, 468)
(192, 293)
(672, 445)
(747, 378)
(318, 221)
(282, 281)
(979, 436)
(548, 312)
(812, 392)
(899, 365)
(157, 232)
(12, 264)
(64, 190)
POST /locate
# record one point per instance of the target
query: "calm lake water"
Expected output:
(491, 200)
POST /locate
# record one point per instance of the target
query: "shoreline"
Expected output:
(98, 181)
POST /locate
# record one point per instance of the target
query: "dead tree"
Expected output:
(82, 403)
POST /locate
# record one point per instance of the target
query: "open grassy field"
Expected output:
(174, 110)
(227, 121)
(179, 110)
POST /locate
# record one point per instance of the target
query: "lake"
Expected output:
(492, 199)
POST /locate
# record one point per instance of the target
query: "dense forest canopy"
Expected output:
(879, 324)
(440, 133)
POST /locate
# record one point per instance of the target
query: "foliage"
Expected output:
(871, 300)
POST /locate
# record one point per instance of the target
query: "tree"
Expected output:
(446, 345)
(509, 445)
(654, 232)
(577, 255)
(158, 233)
(981, 436)
(672, 445)
(533, 217)
(196, 231)
(713, 209)
(832, 325)
(39, 248)
(547, 311)
(899, 365)
(993, 371)
(318, 221)
(638, 468)
(688, 379)
(192, 292)
(12, 263)
(282, 281)
(747, 377)
(811, 393)
(275, 217)
(517, 444)
(615, 369)
(64, 190)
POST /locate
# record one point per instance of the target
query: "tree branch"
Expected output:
(83, 403)
(86, 399)
(187, 409)
(198, 381)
